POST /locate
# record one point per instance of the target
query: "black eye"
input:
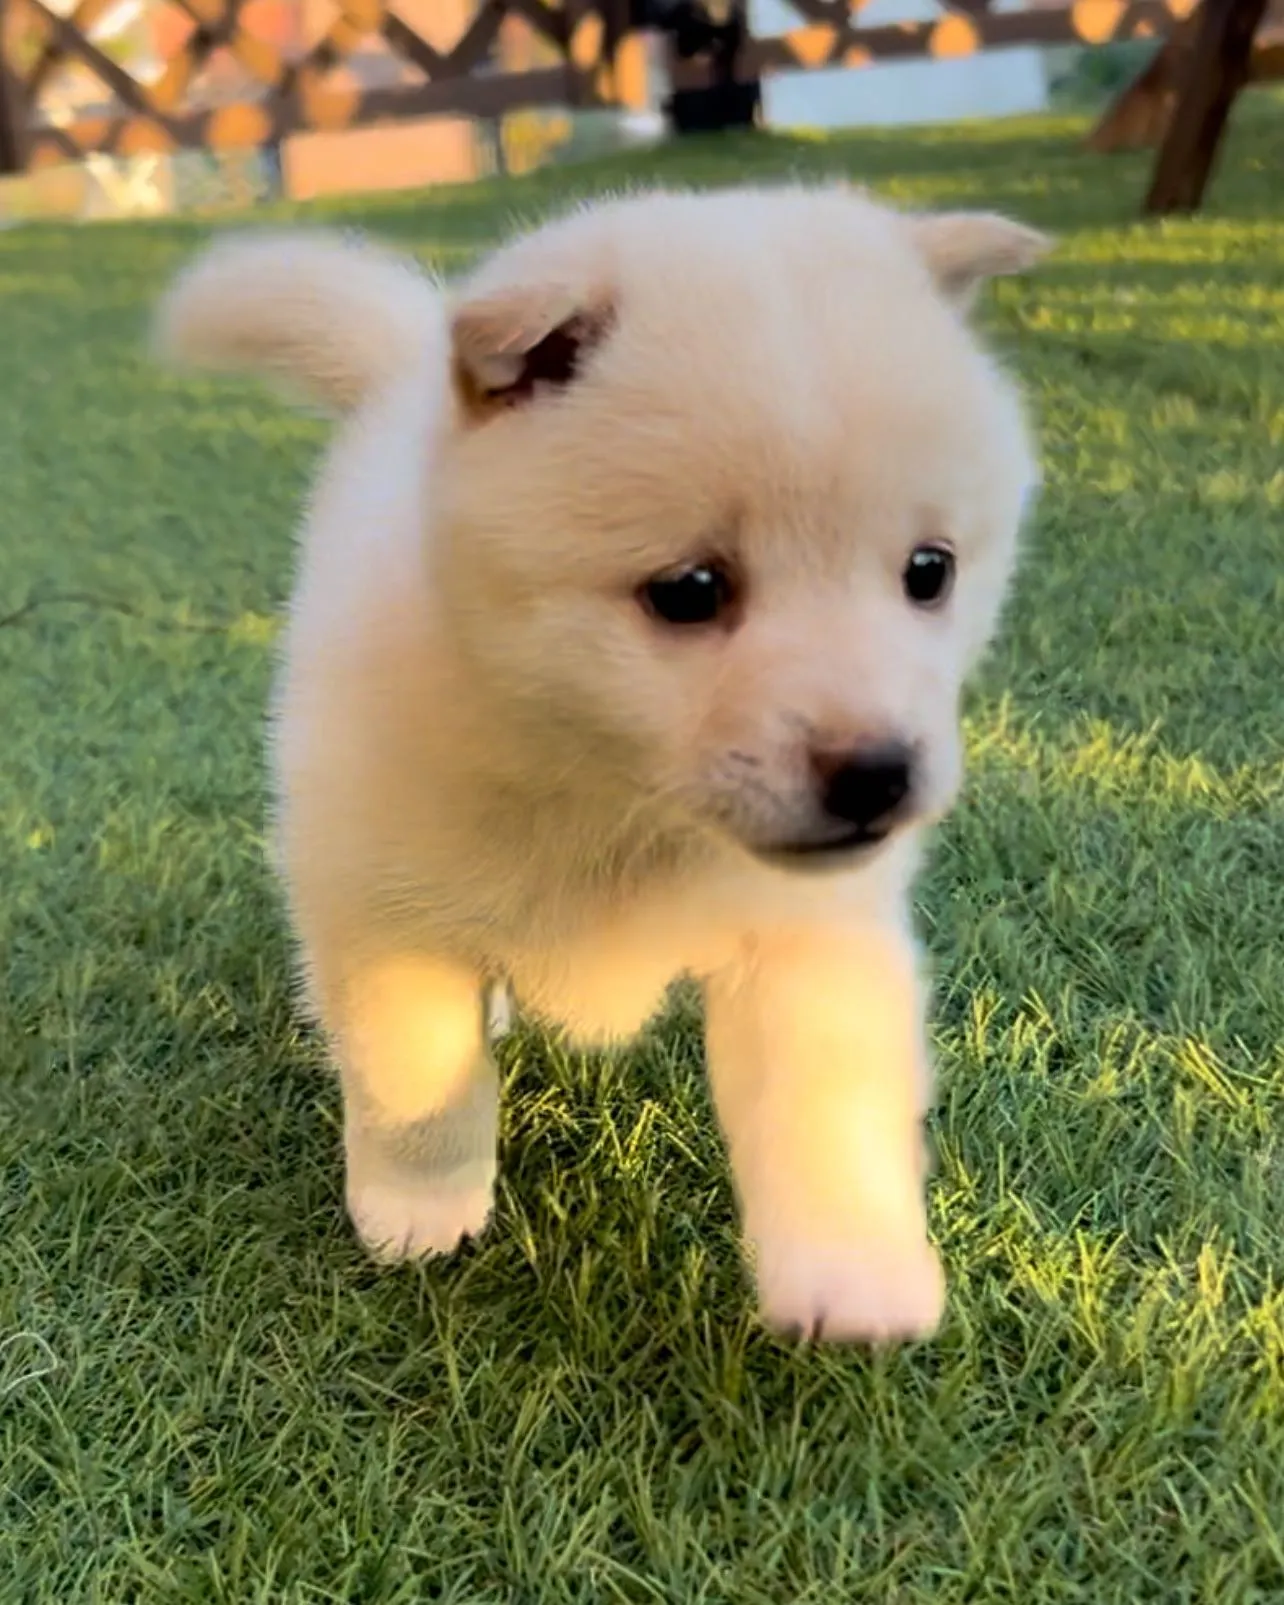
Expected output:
(698, 595)
(928, 577)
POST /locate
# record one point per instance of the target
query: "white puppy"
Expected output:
(637, 594)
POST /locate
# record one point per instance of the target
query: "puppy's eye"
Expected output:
(928, 577)
(697, 595)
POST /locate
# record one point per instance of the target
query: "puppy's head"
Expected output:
(729, 504)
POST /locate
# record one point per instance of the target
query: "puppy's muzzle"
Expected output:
(862, 795)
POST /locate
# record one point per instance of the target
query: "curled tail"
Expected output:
(331, 318)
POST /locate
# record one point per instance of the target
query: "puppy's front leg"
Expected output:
(820, 1075)
(420, 1103)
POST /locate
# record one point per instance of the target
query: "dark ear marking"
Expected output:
(551, 363)
(511, 362)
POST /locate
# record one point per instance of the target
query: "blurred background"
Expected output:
(133, 107)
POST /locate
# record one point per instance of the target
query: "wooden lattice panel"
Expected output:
(234, 73)
(228, 81)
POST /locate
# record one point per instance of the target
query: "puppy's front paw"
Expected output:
(400, 1218)
(862, 1292)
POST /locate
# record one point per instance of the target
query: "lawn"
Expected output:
(207, 1394)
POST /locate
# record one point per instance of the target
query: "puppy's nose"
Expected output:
(866, 786)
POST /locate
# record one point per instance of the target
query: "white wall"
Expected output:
(995, 83)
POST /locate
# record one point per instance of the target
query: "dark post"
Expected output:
(704, 41)
(13, 110)
(1215, 70)
(1140, 115)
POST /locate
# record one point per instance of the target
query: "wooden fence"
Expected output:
(594, 50)
(594, 61)
(597, 59)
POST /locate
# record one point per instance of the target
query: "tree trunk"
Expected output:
(1216, 69)
(1140, 115)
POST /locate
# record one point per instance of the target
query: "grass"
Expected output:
(206, 1394)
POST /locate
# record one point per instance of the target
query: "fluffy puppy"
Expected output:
(636, 596)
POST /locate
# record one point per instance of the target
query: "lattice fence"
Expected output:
(227, 83)
(230, 76)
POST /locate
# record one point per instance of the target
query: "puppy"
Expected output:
(636, 596)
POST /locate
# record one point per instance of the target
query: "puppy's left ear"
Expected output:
(511, 347)
(963, 249)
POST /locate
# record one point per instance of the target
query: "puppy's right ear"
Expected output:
(511, 346)
(964, 249)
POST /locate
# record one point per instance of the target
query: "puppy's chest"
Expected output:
(596, 957)
(606, 980)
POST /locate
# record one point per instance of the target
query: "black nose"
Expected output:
(866, 787)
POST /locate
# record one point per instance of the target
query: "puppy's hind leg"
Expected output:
(420, 1102)
(820, 1076)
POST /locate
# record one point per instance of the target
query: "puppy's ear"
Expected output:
(510, 346)
(963, 249)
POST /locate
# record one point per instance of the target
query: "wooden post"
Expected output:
(1216, 69)
(1141, 113)
(13, 109)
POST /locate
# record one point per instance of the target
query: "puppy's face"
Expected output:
(730, 505)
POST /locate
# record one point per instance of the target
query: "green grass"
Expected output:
(206, 1394)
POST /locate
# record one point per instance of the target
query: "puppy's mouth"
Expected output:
(825, 852)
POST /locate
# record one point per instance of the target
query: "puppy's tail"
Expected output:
(330, 318)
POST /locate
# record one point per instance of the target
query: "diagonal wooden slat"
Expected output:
(128, 91)
(324, 54)
(356, 19)
(261, 60)
(475, 44)
(182, 67)
(219, 24)
(485, 96)
(407, 43)
(52, 54)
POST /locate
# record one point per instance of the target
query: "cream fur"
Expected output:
(493, 767)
